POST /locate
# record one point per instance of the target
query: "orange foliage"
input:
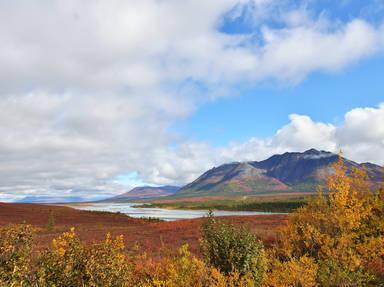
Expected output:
(342, 234)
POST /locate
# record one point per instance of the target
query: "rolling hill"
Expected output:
(288, 172)
(144, 192)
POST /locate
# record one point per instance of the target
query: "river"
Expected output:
(161, 213)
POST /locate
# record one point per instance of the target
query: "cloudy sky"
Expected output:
(98, 96)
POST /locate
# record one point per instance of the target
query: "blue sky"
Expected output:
(260, 111)
(108, 95)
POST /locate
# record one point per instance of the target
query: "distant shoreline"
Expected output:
(231, 205)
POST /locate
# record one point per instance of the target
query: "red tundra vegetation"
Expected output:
(150, 236)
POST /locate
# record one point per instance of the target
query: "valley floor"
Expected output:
(148, 235)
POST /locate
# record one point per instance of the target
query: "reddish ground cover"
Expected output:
(149, 236)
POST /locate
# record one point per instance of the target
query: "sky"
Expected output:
(97, 97)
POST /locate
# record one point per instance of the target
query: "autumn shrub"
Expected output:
(185, 270)
(180, 270)
(232, 249)
(106, 264)
(339, 235)
(70, 263)
(63, 264)
(293, 272)
(15, 254)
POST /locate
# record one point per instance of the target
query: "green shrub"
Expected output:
(51, 221)
(232, 249)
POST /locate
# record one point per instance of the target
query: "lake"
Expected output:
(161, 213)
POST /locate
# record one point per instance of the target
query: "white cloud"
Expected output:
(360, 137)
(89, 89)
(302, 133)
(293, 53)
(362, 134)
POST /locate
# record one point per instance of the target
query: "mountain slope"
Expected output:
(230, 177)
(291, 171)
(144, 192)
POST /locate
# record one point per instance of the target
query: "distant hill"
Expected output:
(291, 171)
(51, 199)
(144, 192)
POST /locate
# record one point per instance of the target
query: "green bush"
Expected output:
(232, 249)
(51, 222)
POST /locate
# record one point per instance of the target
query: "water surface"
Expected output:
(161, 213)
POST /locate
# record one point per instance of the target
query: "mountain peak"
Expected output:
(291, 171)
(312, 151)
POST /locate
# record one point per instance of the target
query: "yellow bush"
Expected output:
(62, 265)
(15, 254)
(70, 263)
(300, 272)
(341, 233)
(106, 264)
(185, 270)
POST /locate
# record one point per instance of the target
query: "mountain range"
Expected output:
(51, 199)
(288, 172)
